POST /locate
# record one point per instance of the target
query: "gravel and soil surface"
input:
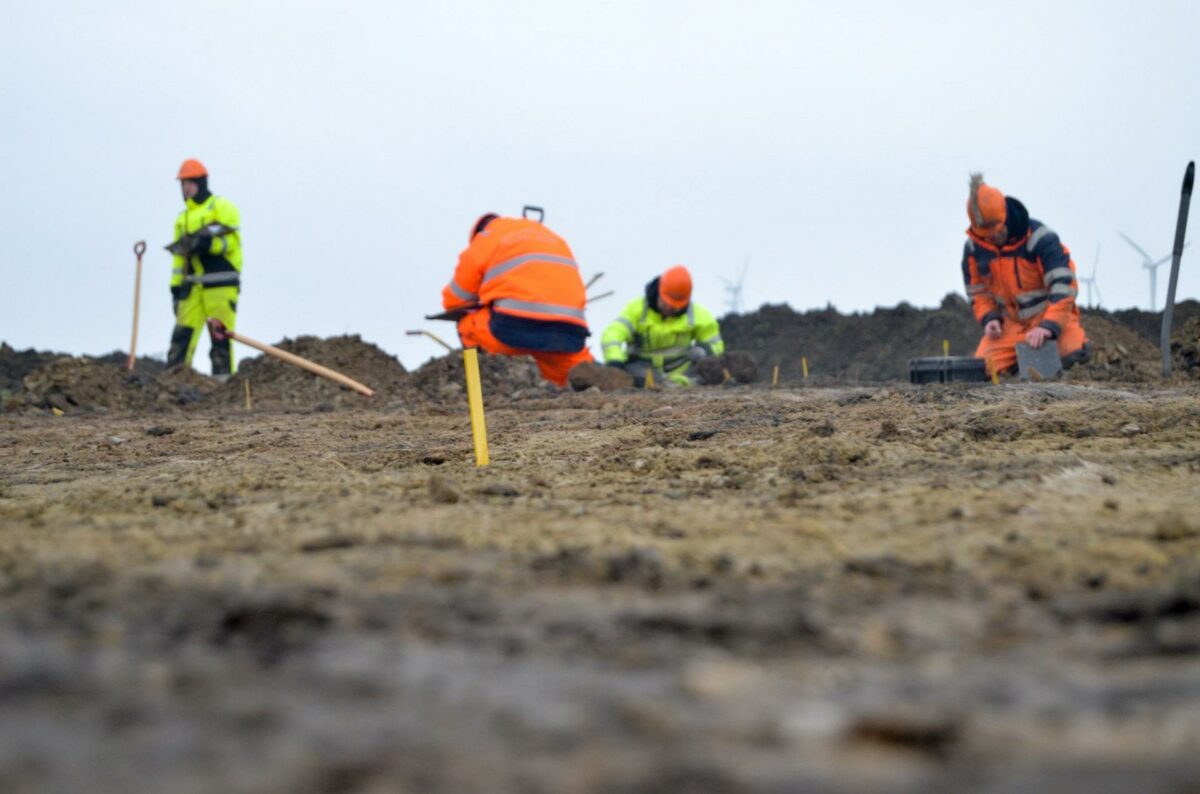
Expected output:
(736, 589)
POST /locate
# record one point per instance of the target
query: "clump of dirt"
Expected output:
(740, 366)
(276, 384)
(441, 379)
(589, 374)
(1185, 348)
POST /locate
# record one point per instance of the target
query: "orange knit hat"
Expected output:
(985, 207)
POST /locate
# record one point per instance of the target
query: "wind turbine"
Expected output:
(1091, 282)
(734, 290)
(1150, 265)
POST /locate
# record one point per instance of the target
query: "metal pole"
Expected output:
(1185, 200)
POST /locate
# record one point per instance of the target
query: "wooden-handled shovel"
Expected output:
(139, 248)
(219, 332)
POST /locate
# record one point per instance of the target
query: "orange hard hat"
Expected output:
(985, 206)
(675, 288)
(192, 169)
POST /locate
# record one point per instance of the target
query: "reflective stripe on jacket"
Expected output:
(221, 264)
(519, 267)
(642, 334)
(1030, 281)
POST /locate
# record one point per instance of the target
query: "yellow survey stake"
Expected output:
(475, 401)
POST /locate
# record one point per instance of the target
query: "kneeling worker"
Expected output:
(663, 330)
(1020, 280)
(523, 294)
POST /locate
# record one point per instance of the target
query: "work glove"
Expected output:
(695, 353)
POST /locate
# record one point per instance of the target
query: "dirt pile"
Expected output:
(1147, 325)
(854, 347)
(278, 385)
(74, 385)
(442, 379)
(1118, 353)
(876, 346)
(144, 364)
(16, 364)
(1185, 348)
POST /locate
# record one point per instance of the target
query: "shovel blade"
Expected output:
(1038, 364)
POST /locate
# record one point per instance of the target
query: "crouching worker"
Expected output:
(1020, 280)
(664, 331)
(521, 289)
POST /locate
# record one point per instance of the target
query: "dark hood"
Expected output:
(1017, 220)
(203, 194)
(652, 294)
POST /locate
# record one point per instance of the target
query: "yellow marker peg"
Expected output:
(249, 399)
(775, 376)
(650, 378)
(995, 372)
(945, 347)
(728, 377)
(804, 366)
(475, 402)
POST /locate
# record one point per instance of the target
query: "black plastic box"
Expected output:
(947, 369)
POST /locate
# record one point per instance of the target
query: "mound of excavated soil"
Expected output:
(276, 384)
(442, 379)
(877, 346)
(16, 364)
(150, 366)
(1148, 325)
(71, 384)
(1185, 348)
(1118, 353)
(74, 385)
(854, 347)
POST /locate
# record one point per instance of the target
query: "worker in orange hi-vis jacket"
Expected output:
(1020, 280)
(524, 295)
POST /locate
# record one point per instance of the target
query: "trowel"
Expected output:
(1039, 363)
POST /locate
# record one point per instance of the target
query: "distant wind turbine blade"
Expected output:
(1136, 247)
(1162, 261)
(1096, 264)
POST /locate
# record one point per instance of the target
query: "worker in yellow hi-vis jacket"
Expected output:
(664, 330)
(206, 275)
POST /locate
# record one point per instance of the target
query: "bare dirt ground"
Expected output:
(993, 588)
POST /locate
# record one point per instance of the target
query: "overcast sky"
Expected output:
(828, 142)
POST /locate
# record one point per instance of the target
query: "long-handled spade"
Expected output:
(1185, 200)
(219, 331)
(139, 248)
